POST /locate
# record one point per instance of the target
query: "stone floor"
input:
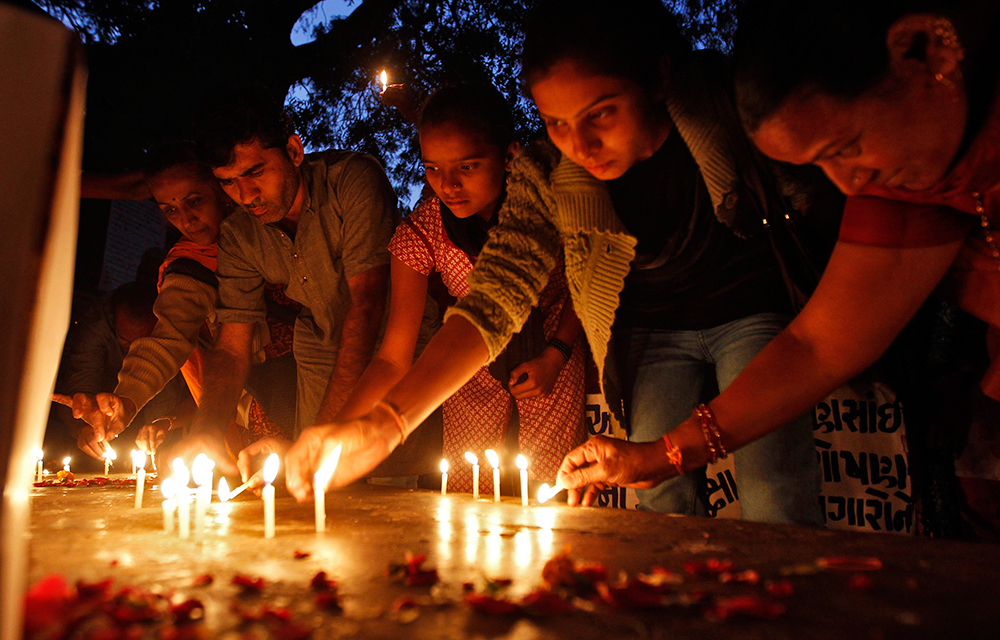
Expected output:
(927, 589)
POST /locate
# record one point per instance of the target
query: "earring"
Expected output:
(945, 32)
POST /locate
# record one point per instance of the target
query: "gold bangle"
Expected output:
(711, 431)
(396, 416)
(674, 455)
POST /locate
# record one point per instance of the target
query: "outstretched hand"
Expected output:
(261, 448)
(602, 462)
(106, 416)
(365, 443)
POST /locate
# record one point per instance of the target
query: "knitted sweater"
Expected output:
(552, 201)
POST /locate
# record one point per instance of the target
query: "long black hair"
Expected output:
(838, 47)
(619, 38)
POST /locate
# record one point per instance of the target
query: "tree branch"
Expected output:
(331, 55)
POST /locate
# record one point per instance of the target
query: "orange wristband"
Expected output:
(674, 455)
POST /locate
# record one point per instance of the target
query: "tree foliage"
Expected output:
(153, 63)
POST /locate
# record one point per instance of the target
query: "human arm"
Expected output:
(226, 368)
(395, 355)
(182, 306)
(543, 370)
(451, 358)
(357, 338)
(866, 296)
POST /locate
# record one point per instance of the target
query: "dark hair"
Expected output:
(244, 116)
(170, 155)
(135, 300)
(477, 108)
(619, 38)
(836, 47)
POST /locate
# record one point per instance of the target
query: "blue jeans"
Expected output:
(777, 476)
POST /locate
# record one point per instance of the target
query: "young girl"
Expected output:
(467, 144)
(654, 186)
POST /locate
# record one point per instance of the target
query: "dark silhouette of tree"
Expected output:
(153, 64)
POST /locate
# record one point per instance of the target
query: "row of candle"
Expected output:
(494, 460)
(109, 457)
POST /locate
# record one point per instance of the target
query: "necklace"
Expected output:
(984, 221)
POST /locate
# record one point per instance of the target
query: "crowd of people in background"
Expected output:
(674, 232)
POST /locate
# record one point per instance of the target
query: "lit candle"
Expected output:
(201, 472)
(494, 459)
(474, 461)
(522, 464)
(320, 480)
(546, 493)
(444, 477)
(181, 477)
(133, 461)
(109, 455)
(167, 489)
(39, 455)
(383, 79)
(139, 462)
(270, 473)
(66, 463)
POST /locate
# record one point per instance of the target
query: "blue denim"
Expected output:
(777, 476)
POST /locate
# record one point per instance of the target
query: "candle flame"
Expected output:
(494, 459)
(66, 460)
(139, 459)
(522, 462)
(201, 469)
(444, 466)
(37, 453)
(181, 473)
(271, 468)
(109, 454)
(546, 493)
(168, 488)
(223, 490)
(543, 493)
(383, 78)
(471, 457)
(322, 477)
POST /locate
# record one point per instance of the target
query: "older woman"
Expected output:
(900, 110)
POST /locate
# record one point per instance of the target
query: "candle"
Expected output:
(139, 462)
(474, 461)
(383, 79)
(109, 455)
(522, 464)
(444, 477)
(201, 472)
(181, 477)
(66, 463)
(494, 459)
(270, 473)
(546, 493)
(133, 461)
(39, 455)
(320, 480)
(168, 487)
(223, 490)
